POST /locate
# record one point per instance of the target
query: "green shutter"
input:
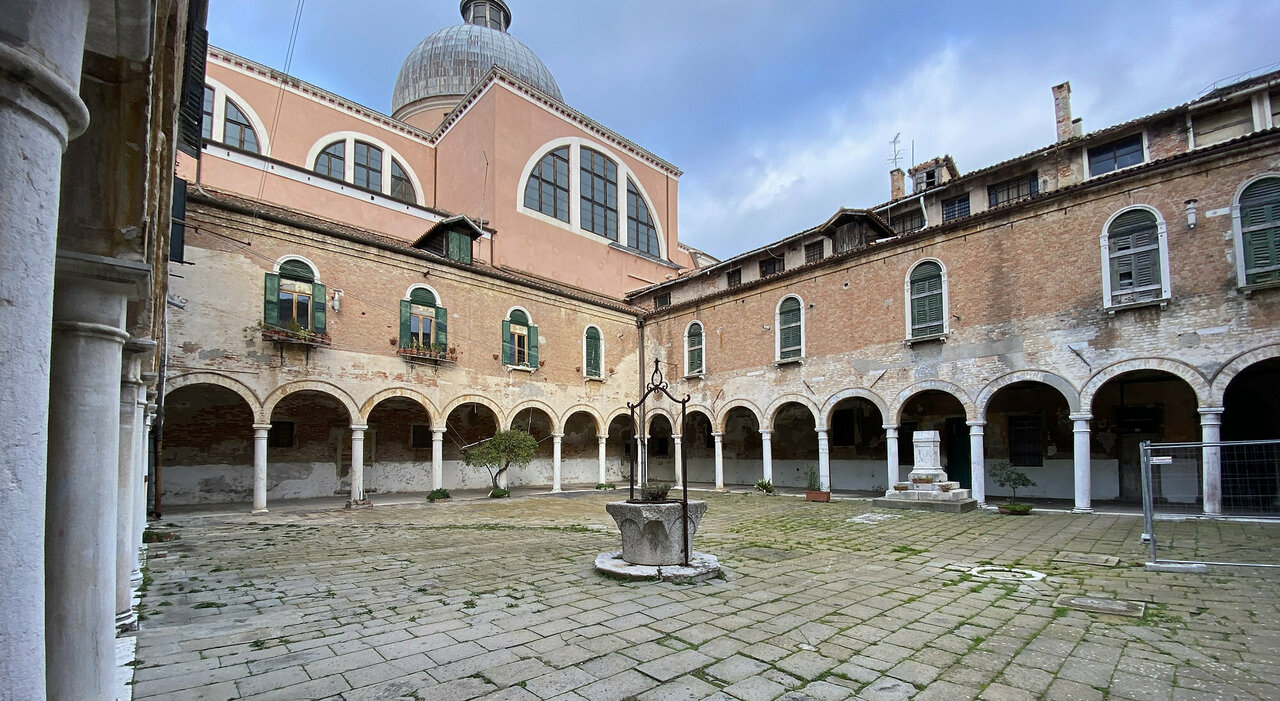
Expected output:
(508, 350)
(423, 297)
(593, 352)
(1260, 220)
(405, 327)
(533, 346)
(271, 300)
(319, 301)
(459, 247)
(695, 360)
(518, 317)
(442, 328)
(297, 270)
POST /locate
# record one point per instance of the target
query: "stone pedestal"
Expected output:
(939, 494)
(652, 532)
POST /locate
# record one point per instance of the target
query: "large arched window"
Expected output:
(332, 160)
(694, 359)
(424, 323)
(1258, 232)
(592, 357)
(790, 333)
(237, 131)
(365, 162)
(519, 340)
(926, 300)
(228, 121)
(293, 298)
(547, 189)
(1134, 258)
(641, 234)
(599, 194)
(368, 166)
(401, 185)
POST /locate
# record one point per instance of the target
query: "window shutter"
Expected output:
(593, 353)
(508, 350)
(695, 360)
(405, 328)
(271, 300)
(442, 327)
(319, 301)
(297, 270)
(1146, 269)
(423, 297)
(533, 346)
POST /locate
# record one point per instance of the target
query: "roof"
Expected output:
(458, 222)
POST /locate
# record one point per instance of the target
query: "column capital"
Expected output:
(975, 424)
(889, 427)
(438, 431)
(766, 432)
(822, 432)
(150, 379)
(557, 436)
(602, 439)
(138, 346)
(262, 427)
(676, 437)
(1081, 416)
(359, 427)
(1210, 412)
(717, 434)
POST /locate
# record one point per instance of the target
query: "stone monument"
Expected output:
(927, 487)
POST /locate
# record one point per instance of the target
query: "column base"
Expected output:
(557, 490)
(135, 577)
(127, 621)
(1082, 510)
(361, 504)
(260, 511)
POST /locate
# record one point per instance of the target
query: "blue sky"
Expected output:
(781, 112)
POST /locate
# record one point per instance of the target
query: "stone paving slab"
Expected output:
(499, 600)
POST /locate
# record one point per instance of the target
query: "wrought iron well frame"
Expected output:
(659, 385)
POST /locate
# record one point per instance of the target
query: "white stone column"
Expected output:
(555, 461)
(1211, 457)
(260, 432)
(679, 452)
(1083, 463)
(142, 452)
(719, 438)
(824, 460)
(766, 454)
(642, 459)
(437, 457)
(357, 465)
(891, 454)
(977, 462)
(126, 469)
(41, 53)
(89, 306)
(603, 472)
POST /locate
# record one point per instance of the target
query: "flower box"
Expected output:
(428, 355)
(299, 337)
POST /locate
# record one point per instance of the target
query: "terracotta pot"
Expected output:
(817, 496)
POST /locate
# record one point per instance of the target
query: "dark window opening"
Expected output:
(1013, 190)
(813, 252)
(1026, 441)
(1118, 154)
(955, 207)
(281, 435)
(421, 436)
(772, 266)
(662, 300)
(734, 277)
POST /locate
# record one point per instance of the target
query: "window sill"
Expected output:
(520, 368)
(1248, 290)
(939, 337)
(590, 378)
(694, 376)
(799, 360)
(1163, 302)
(303, 338)
(426, 357)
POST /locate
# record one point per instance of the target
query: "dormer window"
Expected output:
(924, 179)
(1115, 155)
(1012, 190)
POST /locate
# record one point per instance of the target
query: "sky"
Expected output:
(780, 112)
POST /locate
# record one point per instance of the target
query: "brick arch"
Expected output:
(211, 378)
(552, 415)
(700, 409)
(824, 419)
(1174, 367)
(589, 411)
(608, 419)
(777, 404)
(392, 392)
(718, 421)
(1064, 387)
(473, 399)
(660, 411)
(970, 411)
(1235, 366)
(269, 405)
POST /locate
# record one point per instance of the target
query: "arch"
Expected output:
(315, 270)
(587, 370)
(528, 317)
(408, 294)
(1174, 367)
(719, 419)
(221, 93)
(824, 415)
(609, 418)
(1162, 249)
(777, 404)
(210, 378)
(701, 364)
(663, 412)
(1235, 366)
(269, 405)
(1064, 387)
(954, 390)
(348, 174)
(552, 415)
(946, 300)
(585, 409)
(1237, 227)
(405, 392)
(704, 410)
(473, 399)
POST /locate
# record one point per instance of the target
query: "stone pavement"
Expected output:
(498, 600)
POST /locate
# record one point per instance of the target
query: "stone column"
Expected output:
(977, 461)
(357, 465)
(41, 52)
(824, 460)
(603, 472)
(719, 437)
(142, 450)
(437, 457)
(891, 453)
(260, 467)
(642, 459)
(126, 471)
(1211, 457)
(766, 453)
(555, 461)
(679, 450)
(89, 306)
(1083, 463)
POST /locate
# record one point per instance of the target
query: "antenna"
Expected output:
(897, 152)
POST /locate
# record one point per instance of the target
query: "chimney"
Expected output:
(897, 184)
(1062, 111)
(1077, 127)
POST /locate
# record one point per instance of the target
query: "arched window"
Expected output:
(226, 118)
(519, 340)
(293, 299)
(401, 185)
(424, 324)
(592, 355)
(368, 171)
(927, 300)
(641, 234)
(332, 160)
(547, 189)
(599, 194)
(238, 132)
(1134, 259)
(693, 357)
(1258, 231)
(790, 329)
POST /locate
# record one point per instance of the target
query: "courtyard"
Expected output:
(474, 598)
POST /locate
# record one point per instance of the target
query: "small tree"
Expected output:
(1009, 477)
(499, 453)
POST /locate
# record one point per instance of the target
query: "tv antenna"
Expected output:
(897, 152)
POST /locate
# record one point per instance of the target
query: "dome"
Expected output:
(453, 60)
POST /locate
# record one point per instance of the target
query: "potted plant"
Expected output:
(1006, 475)
(901, 487)
(654, 491)
(765, 486)
(814, 491)
(922, 479)
(944, 486)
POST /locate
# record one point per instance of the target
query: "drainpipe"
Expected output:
(923, 212)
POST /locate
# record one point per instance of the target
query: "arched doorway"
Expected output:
(699, 447)
(662, 464)
(1251, 412)
(1029, 425)
(397, 447)
(856, 440)
(580, 451)
(208, 447)
(935, 410)
(619, 447)
(309, 447)
(1137, 406)
(466, 425)
(743, 453)
(794, 442)
(537, 423)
